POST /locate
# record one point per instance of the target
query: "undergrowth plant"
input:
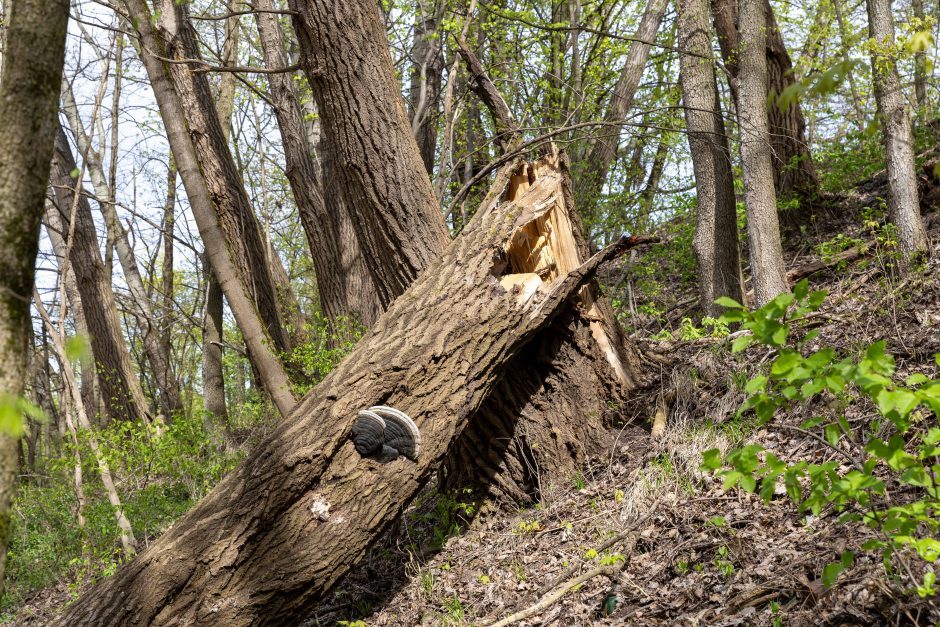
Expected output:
(899, 448)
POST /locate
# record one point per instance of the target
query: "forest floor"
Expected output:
(643, 536)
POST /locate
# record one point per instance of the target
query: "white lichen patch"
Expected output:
(320, 508)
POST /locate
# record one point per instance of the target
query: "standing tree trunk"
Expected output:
(716, 232)
(321, 225)
(920, 61)
(427, 67)
(57, 234)
(157, 356)
(33, 55)
(903, 199)
(594, 171)
(213, 379)
(277, 533)
(397, 220)
(763, 229)
(793, 169)
(121, 393)
(206, 196)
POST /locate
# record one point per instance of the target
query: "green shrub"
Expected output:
(901, 447)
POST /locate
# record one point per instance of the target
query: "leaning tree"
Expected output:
(496, 343)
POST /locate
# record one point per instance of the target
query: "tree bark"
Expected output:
(121, 393)
(594, 171)
(57, 233)
(321, 226)
(172, 403)
(159, 359)
(424, 93)
(33, 56)
(213, 380)
(763, 229)
(903, 199)
(349, 91)
(716, 231)
(233, 210)
(203, 202)
(920, 62)
(397, 220)
(278, 532)
(793, 169)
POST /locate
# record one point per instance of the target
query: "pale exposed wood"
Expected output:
(436, 354)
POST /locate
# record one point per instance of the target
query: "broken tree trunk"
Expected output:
(276, 534)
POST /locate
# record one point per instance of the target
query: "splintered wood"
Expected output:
(544, 249)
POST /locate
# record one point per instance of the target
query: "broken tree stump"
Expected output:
(278, 532)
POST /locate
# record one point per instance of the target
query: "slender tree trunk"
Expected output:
(426, 73)
(121, 393)
(903, 199)
(239, 293)
(57, 233)
(33, 55)
(170, 404)
(241, 558)
(128, 541)
(920, 62)
(213, 379)
(157, 357)
(592, 174)
(233, 212)
(845, 46)
(763, 229)
(793, 169)
(716, 231)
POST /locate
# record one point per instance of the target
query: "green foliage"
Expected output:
(902, 447)
(160, 478)
(325, 347)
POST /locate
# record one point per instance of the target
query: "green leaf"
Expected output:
(740, 343)
(832, 571)
(730, 303)
(757, 384)
(77, 348)
(711, 460)
(801, 289)
(916, 379)
(11, 418)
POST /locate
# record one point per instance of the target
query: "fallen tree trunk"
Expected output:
(275, 535)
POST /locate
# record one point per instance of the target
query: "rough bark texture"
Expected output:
(234, 213)
(763, 228)
(54, 228)
(793, 169)
(275, 535)
(604, 151)
(33, 55)
(203, 199)
(345, 56)
(903, 200)
(320, 225)
(505, 126)
(354, 82)
(121, 393)
(424, 93)
(716, 232)
(213, 381)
